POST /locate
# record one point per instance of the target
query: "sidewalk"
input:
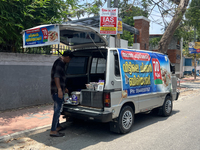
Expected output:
(18, 121)
(22, 120)
(182, 84)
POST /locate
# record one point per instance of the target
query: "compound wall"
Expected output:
(24, 79)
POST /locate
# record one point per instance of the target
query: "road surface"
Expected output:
(180, 131)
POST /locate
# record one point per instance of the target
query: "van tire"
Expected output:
(166, 109)
(126, 119)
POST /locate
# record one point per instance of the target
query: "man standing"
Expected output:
(58, 90)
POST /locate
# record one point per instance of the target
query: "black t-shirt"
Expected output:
(58, 71)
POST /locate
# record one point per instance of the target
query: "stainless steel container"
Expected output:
(75, 97)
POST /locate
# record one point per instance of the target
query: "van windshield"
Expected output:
(77, 65)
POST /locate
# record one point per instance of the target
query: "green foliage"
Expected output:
(89, 8)
(127, 36)
(128, 11)
(192, 14)
(154, 41)
(18, 15)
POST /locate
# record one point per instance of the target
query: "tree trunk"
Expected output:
(167, 36)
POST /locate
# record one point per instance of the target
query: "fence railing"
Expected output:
(45, 50)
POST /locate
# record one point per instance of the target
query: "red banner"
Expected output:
(45, 34)
(135, 56)
(33, 30)
(156, 69)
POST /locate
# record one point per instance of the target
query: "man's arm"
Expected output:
(60, 93)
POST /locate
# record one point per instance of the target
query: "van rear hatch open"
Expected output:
(87, 66)
(78, 36)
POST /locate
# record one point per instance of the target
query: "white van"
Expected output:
(113, 84)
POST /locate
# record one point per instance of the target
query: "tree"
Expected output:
(173, 8)
(192, 14)
(169, 32)
(18, 15)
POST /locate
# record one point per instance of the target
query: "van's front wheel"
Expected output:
(126, 119)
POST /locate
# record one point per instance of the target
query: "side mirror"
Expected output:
(172, 68)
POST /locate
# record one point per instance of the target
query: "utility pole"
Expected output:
(108, 36)
(195, 54)
(181, 62)
(117, 37)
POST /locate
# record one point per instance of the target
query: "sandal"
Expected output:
(57, 135)
(62, 128)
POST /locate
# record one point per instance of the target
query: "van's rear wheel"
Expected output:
(166, 109)
(126, 119)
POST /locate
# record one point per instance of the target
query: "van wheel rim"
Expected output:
(127, 119)
(168, 106)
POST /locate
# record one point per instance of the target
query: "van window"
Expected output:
(98, 65)
(77, 65)
(117, 71)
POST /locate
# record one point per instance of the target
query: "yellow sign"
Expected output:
(197, 45)
(108, 28)
(119, 27)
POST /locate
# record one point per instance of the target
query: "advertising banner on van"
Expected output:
(108, 21)
(41, 36)
(194, 47)
(144, 72)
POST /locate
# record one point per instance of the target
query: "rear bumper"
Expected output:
(87, 114)
(177, 95)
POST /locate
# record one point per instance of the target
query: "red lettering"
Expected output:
(135, 56)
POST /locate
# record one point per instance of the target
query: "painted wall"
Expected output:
(24, 80)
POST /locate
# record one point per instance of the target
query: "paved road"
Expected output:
(181, 131)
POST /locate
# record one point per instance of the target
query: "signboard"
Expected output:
(41, 36)
(120, 27)
(144, 72)
(108, 20)
(194, 47)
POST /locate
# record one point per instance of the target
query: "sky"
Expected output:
(154, 28)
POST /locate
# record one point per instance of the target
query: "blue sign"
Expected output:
(194, 47)
(144, 72)
(41, 36)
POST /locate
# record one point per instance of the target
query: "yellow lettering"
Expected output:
(34, 39)
(145, 68)
(130, 68)
(137, 81)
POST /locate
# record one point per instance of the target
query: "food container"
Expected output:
(75, 97)
(96, 86)
(89, 87)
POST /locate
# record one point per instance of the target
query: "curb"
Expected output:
(28, 132)
(24, 133)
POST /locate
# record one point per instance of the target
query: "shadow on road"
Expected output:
(82, 134)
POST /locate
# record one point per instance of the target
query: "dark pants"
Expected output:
(57, 107)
